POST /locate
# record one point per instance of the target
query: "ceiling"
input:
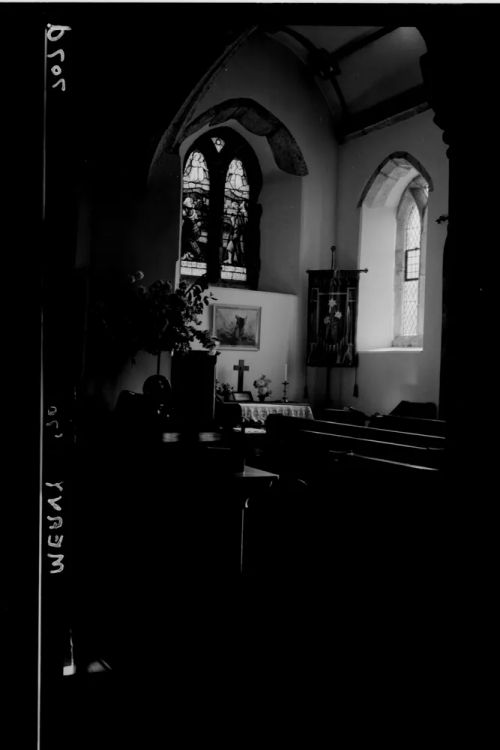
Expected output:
(368, 74)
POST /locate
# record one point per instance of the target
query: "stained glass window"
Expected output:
(235, 219)
(195, 206)
(409, 317)
(218, 143)
(220, 214)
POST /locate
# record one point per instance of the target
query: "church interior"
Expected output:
(263, 323)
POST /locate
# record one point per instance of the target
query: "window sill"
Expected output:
(407, 349)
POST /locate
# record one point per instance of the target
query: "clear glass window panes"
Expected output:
(409, 312)
(409, 317)
(412, 264)
(235, 219)
(413, 230)
(195, 205)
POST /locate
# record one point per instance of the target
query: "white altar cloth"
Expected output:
(258, 412)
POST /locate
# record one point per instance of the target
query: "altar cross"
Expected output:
(241, 367)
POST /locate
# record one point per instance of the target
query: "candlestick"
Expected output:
(284, 399)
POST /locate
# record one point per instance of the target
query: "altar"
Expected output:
(257, 412)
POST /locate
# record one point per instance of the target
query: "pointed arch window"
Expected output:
(410, 265)
(220, 233)
(393, 243)
(409, 312)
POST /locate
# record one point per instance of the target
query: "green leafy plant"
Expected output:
(156, 318)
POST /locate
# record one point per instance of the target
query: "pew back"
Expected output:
(371, 508)
(349, 416)
(409, 424)
(342, 428)
(410, 454)
(305, 446)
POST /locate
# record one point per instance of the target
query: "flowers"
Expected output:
(156, 318)
(333, 312)
(223, 390)
(262, 384)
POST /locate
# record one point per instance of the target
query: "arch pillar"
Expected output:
(459, 54)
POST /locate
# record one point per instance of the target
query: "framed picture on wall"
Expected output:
(236, 326)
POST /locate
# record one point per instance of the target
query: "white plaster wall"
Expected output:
(385, 378)
(277, 344)
(376, 290)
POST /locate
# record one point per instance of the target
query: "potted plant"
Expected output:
(156, 319)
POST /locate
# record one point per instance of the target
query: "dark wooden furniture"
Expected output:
(313, 449)
(411, 454)
(193, 388)
(419, 409)
(359, 431)
(250, 485)
(409, 424)
(351, 416)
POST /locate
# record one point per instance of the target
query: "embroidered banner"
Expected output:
(331, 326)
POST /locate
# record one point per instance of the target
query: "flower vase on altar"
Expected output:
(262, 384)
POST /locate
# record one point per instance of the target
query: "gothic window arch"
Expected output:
(220, 214)
(393, 234)
(409, 283)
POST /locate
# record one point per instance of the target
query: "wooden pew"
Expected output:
(352, 480)
(362, 522)
(342, 428)
(368, 515)
(421, 425)
(384, 465)
(410, 454)
(300, 448)
(349, 416)
(409, 424)
(378, 443)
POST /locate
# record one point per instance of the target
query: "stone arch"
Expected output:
(390, 179)
(398, 182)
(414, 195)
(257, 120)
